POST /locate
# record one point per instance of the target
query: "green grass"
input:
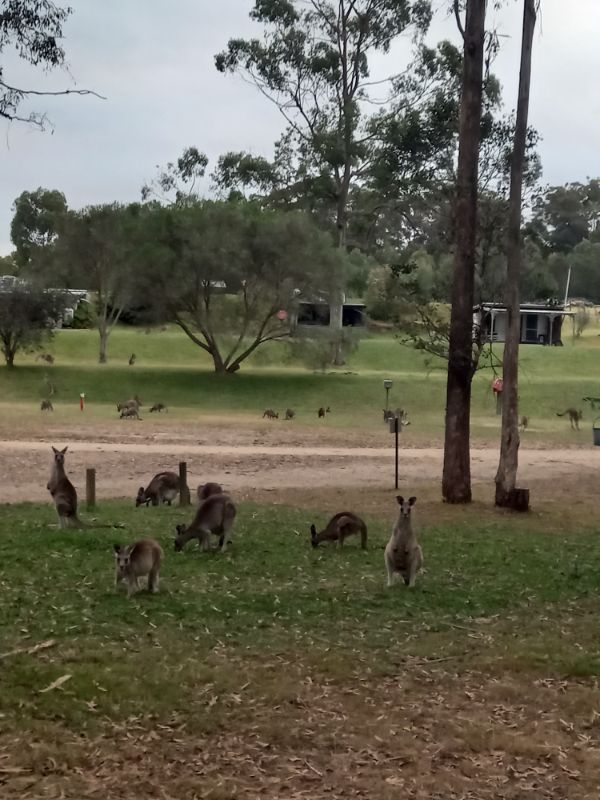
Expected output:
(272, 593)
(170, 369)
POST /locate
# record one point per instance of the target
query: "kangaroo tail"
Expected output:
(363, 537)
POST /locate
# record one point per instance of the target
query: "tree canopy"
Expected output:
(225, 272)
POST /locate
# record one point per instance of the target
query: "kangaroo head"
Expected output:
(405, 506)
(122, 559)
(141, 498)
(313, 536)
(178, 539)
(59, 455)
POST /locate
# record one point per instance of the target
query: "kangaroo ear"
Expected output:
(412, 501)
(399, 499)
(54, 450)
(313, 531)
(64, 450)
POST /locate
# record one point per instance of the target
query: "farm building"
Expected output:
(540, 323)
(318, 315)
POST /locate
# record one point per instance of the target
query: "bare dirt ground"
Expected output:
(266, 459)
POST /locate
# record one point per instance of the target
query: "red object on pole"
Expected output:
(497, 385)
(282, 315)
(81, 401)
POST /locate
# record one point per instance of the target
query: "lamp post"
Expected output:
(387, 385)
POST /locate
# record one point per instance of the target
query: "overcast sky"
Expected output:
(153, 60)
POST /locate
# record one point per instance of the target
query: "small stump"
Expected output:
(516, 500)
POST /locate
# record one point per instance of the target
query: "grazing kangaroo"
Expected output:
(523, 423)
(158, 407)
(403, 555)
(574, 417)
(142, 559)
(135, 402)
(46, 405)
(63, 492)
(207, 490)
(339, 528)
(322, 411)
(132, 359)
(130, 413)
(163, 488)
(290, 413)
(215, 515)
(270, 414)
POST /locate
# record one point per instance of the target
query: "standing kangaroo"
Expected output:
(339, 528)
(163, 488)
(403, 555)
(139, 560)
(215, 515)
(63, 492)
(574, 417)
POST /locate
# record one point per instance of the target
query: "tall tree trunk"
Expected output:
(456, 481)
(506, 476)
(336, 302)
(9, 356)
(103, 331)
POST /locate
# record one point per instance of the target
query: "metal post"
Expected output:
(90, 488)
(184, 492)
(396, 431)
(498, 404)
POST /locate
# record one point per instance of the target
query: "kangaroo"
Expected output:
(403, 555)
(132, 359)
(206, 490)
(135, 402)
(130, 413)
(593, 401)
(215, 515)
(158, 407)
(574, 417)
(523, 423)
(47, 357)
(63, 492)
(339, 528)
(321, 413)
(138, 560)
(270, 414)
(163, 488)
(46, 405)
(290, 413)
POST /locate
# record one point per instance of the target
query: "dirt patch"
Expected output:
(422, 734)
(266, 459)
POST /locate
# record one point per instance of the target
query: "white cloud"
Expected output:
(154, 62)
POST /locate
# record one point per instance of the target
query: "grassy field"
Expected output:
(170, 369)
(259, 655)
(276, 670)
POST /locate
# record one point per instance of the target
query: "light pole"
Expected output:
(387, 385)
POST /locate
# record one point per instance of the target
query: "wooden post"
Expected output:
(90, 488)
(184, 492)
(498, 404)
